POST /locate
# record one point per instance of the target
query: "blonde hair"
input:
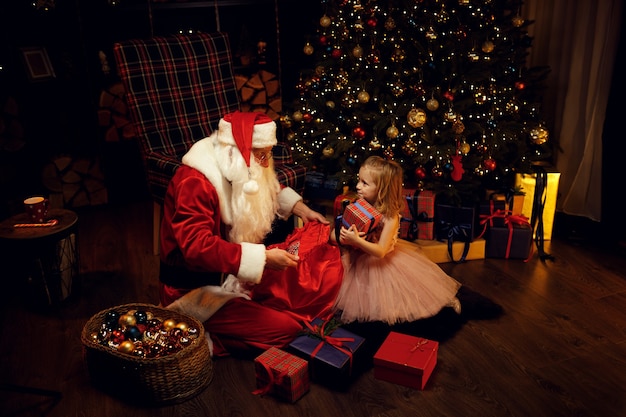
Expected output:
(388, 176)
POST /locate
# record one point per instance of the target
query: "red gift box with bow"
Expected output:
(362, 214)
(406, 360)
(281, 374)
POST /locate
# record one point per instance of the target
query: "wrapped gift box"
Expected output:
(406, 360)
(511, 241)
(333, 358)
(456, 223)
(438, 251)
(362, 214)
(318, 186)
(281, 374)
(487, 209)
(342, 200)
(418, 215)
(514, 202)
(527, 182)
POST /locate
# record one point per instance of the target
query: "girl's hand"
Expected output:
(350, 236)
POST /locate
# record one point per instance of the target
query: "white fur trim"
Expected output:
(263, 135)
(201, 303)
(201, 156)
(287, 198)
(252, 262)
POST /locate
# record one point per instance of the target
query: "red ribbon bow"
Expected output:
(336, 342)
(273, 379)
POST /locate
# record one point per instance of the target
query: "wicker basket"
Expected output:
(165, 380)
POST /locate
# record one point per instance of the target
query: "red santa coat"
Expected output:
(195, 217)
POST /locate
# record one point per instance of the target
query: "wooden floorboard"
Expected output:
(558, 349)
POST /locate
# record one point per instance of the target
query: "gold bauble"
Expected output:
(464, 148)
(488, 46)
(325, 21)
(127, 320)
(308, 49)
(539, 135)
(328, 151)
(363, 97)
(416, 118)
(169, 324)
(126, 346)
(432, 104)
(392, 132)
(182, 326)
(517, 21)
(357, 51)
(297, 116)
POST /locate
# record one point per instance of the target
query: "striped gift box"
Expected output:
(362, 214)
(281, 374)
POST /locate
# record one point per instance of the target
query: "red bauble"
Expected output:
(489, 164)
(420, 173)
(372, 22)
(520, 85)
(358, 132)
(307, 117)
(448, 95)
(323, 40)
(336, 53)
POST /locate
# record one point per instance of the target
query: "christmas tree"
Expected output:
(440, 86)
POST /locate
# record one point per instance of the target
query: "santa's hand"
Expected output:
(280, 259)
(307, 214)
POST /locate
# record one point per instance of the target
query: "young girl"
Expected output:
(385, 278)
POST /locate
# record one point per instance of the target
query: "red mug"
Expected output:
(37, 209)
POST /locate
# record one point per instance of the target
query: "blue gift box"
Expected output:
(333, 361)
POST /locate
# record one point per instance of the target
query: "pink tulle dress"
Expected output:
(403, 286)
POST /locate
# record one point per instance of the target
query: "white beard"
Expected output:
(253, 214)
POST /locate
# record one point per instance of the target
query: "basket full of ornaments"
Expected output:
(147, 354)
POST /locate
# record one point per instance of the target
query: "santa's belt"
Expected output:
(181, 277)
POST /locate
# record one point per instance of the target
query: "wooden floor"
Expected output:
(558, 349)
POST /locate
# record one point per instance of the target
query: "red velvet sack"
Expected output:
(310, 289)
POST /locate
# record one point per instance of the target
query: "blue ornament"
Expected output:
(133, 333)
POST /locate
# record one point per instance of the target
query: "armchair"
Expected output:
(177, 89)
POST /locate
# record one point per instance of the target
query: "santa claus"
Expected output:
(219, 207)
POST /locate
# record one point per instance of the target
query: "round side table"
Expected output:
(44, 258)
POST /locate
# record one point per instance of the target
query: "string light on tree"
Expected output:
(442, 86)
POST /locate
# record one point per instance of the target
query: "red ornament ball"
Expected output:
(448, 95)
(420, 173)
(489, 164)
(358, 132)
(336, 53)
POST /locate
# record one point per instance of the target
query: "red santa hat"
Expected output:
(247, 130)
